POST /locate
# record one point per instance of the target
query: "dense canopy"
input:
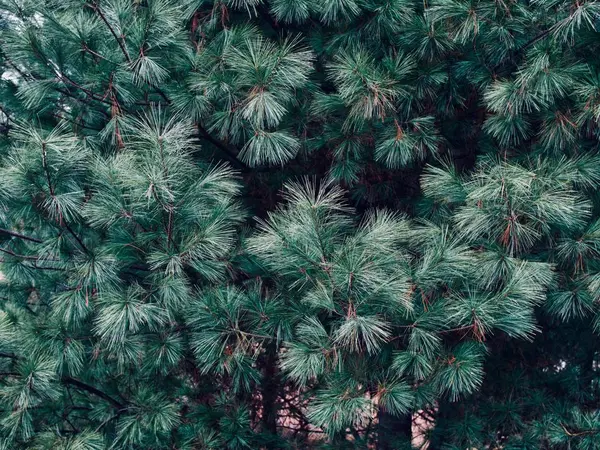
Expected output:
(289, 224)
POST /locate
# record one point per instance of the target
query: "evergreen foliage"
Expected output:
(299, 224)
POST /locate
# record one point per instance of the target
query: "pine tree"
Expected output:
(299, 224)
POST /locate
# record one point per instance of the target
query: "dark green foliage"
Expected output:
(299, 224)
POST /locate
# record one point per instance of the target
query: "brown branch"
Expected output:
(580, 433)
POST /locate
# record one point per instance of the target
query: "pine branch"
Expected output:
(70, 95)
(230, 156)
(77, 238)
(36, 267)
(10, 252)
(78, 124)
(90, 93)
(525, 46)
(19, 235)
(162, 94)
(96, 54)
(120, 41)
(92, 390)
(61, 76)
(15, 67)
(5, 112)
(51, 189)
(579, 433)
(170, 207)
